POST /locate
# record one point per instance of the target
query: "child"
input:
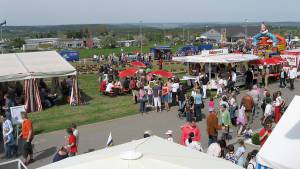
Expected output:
(9, 143)
(248, 133)
(211, 105)
(240, 153)
(75, 132)
(71, 143)
(169, 134)
(230, 156)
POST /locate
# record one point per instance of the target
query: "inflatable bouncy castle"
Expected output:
(266, 43)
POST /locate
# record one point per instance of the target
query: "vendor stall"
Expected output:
(274, 65)
(293, 59)
(215, 65)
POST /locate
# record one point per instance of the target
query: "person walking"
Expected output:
(197, 106)
(292, 77)
(175, 87)
(225, 120)
(27, 136)
(205, 81)
(156, 97)
(75, 132)
(142, 100)
(7, 131)
(241, 120)
(283, 76)
(165, 96)
(279, 104)
(212, 127)
(71, 143)
(180, 97)
(248, 102)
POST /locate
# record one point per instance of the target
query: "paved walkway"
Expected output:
(94, 136)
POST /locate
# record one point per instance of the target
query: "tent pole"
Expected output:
(209, 71)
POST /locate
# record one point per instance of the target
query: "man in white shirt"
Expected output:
(175, 87)
(292, 76)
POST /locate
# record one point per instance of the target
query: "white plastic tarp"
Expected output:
(156, 153)
(224, 58)
(281, 150)
(20, 66)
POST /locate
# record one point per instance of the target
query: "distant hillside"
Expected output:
(130, 28)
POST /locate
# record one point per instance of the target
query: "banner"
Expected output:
(16, 114)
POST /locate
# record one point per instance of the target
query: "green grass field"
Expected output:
(100, 108)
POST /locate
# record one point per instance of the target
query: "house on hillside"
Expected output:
(70, 43)
(126, 43)
(232, 33)
(213, 34)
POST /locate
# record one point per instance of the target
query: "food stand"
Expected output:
(293, 59)
(216, 63)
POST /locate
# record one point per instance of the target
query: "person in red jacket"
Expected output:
(102, 86)
(187, 129)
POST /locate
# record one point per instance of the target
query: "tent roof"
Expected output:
(11, 68)
(281, 149)
(157, 153)
(20, 66)
(223, 58)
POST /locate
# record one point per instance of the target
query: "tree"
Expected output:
(17, 42)
(109, 41)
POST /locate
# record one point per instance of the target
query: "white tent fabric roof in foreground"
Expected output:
(222, 58)
(281, 150)
(149, 153)
(20, 66)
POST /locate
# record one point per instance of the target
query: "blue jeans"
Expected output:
(212, 139)
(198, 112)
(150, 99)
(181, 104)
(9, 150)
(142, 106)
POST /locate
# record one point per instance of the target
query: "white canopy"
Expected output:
(281, 150)
(20, 66)
(222, 58)
(150, 153)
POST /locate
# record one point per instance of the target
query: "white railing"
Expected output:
(20, 164)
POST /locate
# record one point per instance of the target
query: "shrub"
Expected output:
(255, 139)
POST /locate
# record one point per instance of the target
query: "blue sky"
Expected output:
(53, 12)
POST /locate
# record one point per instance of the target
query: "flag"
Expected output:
(109, 142)
(3, 23)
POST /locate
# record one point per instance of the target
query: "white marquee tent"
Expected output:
(20, 66)
(34, 65)
(148, 153)
(220, 58)
(281, 149)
